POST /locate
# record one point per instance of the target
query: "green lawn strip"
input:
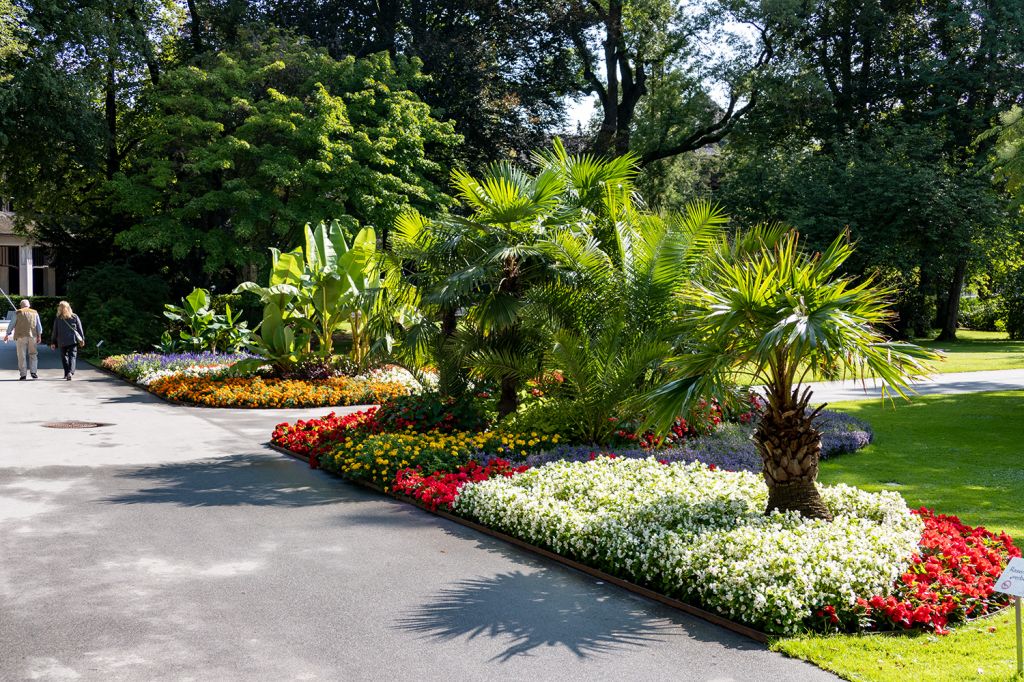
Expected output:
(976, 351)
(972, 352)
(982, 650)
(962, 455)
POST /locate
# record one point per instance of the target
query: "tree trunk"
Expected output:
(790, 448)
(508, 402)
(195, 30)
(951, 314)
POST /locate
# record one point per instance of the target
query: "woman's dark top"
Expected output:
(64, 331)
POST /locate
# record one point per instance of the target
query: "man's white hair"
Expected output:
(24, 303)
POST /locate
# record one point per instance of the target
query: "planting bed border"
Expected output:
(647, 593)
(182, 403)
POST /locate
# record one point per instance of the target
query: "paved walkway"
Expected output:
(939, 384)
(171, 545)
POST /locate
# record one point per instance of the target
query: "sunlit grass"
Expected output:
(962, 455)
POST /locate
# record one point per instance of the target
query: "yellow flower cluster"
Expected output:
(378, 457)
(259, 392)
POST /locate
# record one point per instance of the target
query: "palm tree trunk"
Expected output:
(790, 448)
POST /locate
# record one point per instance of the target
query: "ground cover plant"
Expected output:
(694, 532)
(920, 448)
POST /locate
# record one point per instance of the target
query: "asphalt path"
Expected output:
(171, 544)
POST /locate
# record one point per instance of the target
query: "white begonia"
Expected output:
(701, 535)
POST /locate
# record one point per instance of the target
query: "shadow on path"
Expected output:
(532, 610)
(252, 479)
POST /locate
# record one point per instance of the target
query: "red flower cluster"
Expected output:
(950, 580)
(440, 488)
(314, 437)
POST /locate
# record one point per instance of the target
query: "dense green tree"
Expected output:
(649, 64)
(68, 116)
(884, 96)
(246, 146)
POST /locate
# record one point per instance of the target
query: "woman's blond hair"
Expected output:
(64, 310)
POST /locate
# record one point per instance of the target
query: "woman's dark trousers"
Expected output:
(68, 356)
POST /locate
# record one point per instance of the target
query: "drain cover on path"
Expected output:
(73, 425)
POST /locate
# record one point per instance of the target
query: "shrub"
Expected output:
(118, 306)
(981, 314)
(700, 535)
(432, 412)
(46, 306)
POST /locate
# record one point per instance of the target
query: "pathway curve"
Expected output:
(939, 384)
(170, 544)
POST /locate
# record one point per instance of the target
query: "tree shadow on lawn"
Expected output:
(246, 479)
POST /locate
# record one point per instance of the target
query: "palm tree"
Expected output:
(770, 309)
(479, 274)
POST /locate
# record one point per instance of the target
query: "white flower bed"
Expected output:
(700, 535)
(147, 378)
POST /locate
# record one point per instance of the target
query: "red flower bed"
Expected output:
(313, 437)
(440, 488)
(950, 580)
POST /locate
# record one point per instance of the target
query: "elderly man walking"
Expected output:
(28, 331)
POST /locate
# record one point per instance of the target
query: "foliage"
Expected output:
(972, 439)
(203, 329)
(258, 392)
(315, 291)
(46, 306)
(697, 534)
(1008, 160)
(429, 411)
(784, 314)
(249, 142)
(119, 306)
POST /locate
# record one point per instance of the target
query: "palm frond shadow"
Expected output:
(543, 608)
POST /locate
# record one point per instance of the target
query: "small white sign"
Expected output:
(1012, 580)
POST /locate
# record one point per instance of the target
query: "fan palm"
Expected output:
(784, 315)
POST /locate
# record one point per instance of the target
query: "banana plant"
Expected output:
(324, 287)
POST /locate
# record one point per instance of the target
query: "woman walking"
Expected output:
(68, 336)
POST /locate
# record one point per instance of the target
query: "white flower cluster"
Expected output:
(701, 535)
(394, 373)
(146, 378)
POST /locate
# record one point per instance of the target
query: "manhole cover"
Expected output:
(72, 425)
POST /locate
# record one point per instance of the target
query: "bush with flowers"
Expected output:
(439, 489)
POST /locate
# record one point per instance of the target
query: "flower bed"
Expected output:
(143, 368)
(210, 380)
(727, 447)
(700, 535)
(686, 529)
(257, 392)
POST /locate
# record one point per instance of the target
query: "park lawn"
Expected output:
(963, 455)
(976, 351)
(971, 352)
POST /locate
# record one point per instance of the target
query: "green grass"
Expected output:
(977, 351)
(961, 455)
(972, 352)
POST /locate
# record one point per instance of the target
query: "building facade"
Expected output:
(25, 269)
